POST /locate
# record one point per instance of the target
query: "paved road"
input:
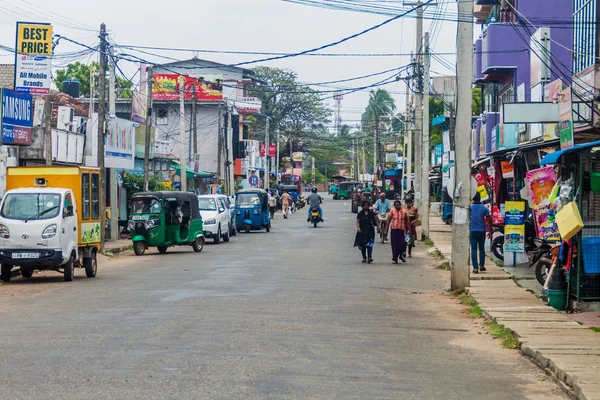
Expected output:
(290, 314)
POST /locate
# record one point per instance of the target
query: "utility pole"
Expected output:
(113, 184)
(462, 148)
(148, 126)
(194, 128)
(419, 111)
(312, 167)
(182, 138)
(409, 133)
(101, 123)
(48, 128)
(266, 174)
(91, 104)
(364, 158)
(425, 146)
(230, 160)
(277, 161)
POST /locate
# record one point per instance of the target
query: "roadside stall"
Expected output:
(576, 209)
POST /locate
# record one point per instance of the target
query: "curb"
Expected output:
(566, 381)
(116, 250)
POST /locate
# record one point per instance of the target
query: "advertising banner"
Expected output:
(262, 150)
(541, 181)
(33, 55)
(514, 226)
(566, 119)
(120, 144)
(16, 110)
(272, 150)
(508, 170)
(166, 87)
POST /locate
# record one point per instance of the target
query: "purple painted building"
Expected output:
(503, 51)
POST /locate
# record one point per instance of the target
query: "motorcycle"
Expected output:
(544, 258)
(301, 202)
(314, 217)
(531, 241)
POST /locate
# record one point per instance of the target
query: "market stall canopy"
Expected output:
(447, 167)
(554, 158)
(190, 172)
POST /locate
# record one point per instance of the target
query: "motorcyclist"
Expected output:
(314, 200)
(382, 207)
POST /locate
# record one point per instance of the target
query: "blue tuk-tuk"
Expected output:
(252, 210)
(446, 207)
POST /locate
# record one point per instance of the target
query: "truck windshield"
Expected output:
(146, 205)
(31, 206)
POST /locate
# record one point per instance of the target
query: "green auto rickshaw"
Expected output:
(165, 219)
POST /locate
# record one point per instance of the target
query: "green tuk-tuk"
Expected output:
(345, 189)
(165, 219)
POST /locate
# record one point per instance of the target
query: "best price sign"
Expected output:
(33, 58)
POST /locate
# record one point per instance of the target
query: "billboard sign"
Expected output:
(17, 117)
(166, 87)
(33, 55)
(119, 145)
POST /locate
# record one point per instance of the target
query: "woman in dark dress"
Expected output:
(366, 221)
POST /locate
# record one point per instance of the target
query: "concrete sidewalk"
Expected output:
(117, 246)
(556, 342)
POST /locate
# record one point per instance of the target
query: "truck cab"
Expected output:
(41, 225)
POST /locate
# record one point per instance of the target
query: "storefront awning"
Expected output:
(190, 172)
(554, 158)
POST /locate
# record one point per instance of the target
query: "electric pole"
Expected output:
(195, 130)
(101, 123)
(266, 174)
(112, 112)
(182, 138)
(418, 109)
(148, 126)
(425, 146)
(409, 133)
(48, 128)
(462, 148)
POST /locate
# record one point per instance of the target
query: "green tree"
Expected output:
(134, 183)
(295, 110)
(81, 72)
(378, 113)
(476, 101)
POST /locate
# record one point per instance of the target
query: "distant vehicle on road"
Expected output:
(165, 219)
(216, 217)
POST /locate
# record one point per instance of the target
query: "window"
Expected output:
(85, 196)
(31, 206)
(162, 115)
(207, 204)
(69, 203)
(222, 204)
(95, 196)
(585, 46)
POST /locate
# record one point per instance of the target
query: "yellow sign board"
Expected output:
(34, 39)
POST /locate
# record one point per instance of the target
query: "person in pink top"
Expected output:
(399, 225)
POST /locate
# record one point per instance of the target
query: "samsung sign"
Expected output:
(17, 117)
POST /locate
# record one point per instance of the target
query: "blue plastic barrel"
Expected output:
(590, 248)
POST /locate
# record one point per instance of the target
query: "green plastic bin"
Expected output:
(557, 299)
(595, 182)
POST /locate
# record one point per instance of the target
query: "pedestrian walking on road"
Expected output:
(286, 203)
(366, 221)
(413, 217)
(272, 204)
(399, 224)
(479, 214)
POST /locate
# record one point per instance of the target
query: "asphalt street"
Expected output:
(290, 314)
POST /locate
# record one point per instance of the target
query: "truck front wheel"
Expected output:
(5, 272)
(69, 269)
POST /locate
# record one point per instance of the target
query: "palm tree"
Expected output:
(378, 112)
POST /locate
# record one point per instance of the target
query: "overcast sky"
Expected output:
(248, 25)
